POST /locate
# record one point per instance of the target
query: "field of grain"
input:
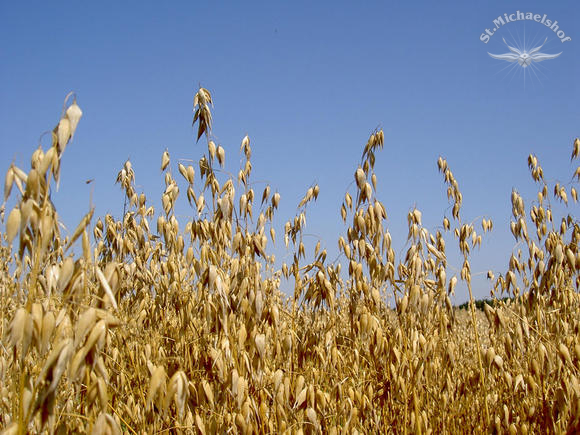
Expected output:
(167, 326)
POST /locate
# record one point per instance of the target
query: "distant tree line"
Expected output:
(480, 302)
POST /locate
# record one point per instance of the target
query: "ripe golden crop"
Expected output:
(163, 325)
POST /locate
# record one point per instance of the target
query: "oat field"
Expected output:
(150, 324)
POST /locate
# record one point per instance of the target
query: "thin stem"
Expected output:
(481, 377)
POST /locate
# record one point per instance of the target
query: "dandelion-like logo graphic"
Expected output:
(524, 55)
(524, 58)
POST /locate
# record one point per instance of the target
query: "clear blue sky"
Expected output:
(308, 81)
